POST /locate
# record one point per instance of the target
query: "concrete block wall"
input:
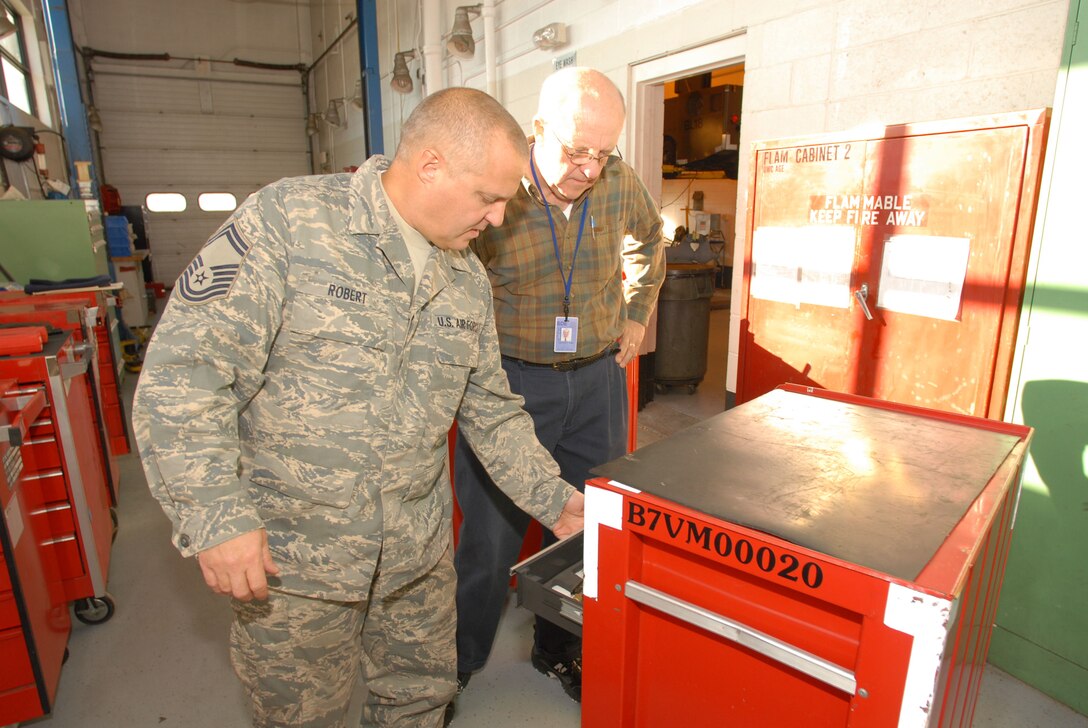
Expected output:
(811, 66)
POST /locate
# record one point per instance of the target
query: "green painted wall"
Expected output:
(1042, 625)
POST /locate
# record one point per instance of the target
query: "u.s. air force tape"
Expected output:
(214, 269)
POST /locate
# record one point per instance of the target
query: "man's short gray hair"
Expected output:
(463, 124)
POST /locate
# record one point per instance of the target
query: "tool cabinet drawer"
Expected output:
(550, 583)
(15, 669)
(9, 611)
(40, 453)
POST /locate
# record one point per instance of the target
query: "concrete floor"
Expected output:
(161, 661)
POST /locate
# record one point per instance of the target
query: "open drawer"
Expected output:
(550, 583)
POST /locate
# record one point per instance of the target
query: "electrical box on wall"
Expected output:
(700, 222)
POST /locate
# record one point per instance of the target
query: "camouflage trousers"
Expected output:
(299, 658)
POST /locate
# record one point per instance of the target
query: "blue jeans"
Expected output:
(581, 418)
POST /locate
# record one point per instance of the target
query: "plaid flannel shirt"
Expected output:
(618, 271)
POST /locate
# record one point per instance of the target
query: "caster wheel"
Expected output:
(94, 610)
(692, 388)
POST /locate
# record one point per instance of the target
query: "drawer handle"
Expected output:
(44, 475)
(783, 652)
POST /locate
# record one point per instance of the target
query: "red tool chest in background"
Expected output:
(34, 621)
(77, 317)
(62, 463)
(807, 558)
(100, 302)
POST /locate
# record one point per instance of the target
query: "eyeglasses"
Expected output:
(585, 156)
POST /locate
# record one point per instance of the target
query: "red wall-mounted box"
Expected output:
(808, 558)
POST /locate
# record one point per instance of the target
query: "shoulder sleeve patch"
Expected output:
(215, 268)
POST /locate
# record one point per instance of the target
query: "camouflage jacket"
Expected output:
(295, 383)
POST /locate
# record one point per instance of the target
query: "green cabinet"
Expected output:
(51, 239)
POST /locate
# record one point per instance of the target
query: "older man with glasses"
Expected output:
(575, 269)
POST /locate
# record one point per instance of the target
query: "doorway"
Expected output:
(685, 141)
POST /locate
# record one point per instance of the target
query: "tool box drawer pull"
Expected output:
(764, 644)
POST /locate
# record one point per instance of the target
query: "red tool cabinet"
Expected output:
(62, 466)
(34, 621)
(805, 559)
(77, 317)
(101, 302)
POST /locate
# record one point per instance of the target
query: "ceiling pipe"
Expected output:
(490, 63)
(432, 47)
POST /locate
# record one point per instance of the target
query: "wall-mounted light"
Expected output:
(402, 79)
(461, 44)
(332, 115)
(357, 98)
(311, 124)
(93, 119)
(552, 35)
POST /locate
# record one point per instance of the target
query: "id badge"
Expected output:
(566, 334)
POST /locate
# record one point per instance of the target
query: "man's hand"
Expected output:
(237, 567)
(571, 519)
(630, 341)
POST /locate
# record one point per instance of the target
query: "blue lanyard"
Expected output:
(567, 279)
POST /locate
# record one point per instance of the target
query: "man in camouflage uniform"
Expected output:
(294, 405)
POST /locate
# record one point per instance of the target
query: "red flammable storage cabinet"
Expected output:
(34, 621)
(62, 465)
(805, 559)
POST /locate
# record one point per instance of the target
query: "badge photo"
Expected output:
(566, 334)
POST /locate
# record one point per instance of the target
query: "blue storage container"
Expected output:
(118, 241)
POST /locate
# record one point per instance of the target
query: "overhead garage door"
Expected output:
(195, 131)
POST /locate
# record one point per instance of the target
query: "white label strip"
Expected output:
(926, 618)
(603, 508)
(14, 516)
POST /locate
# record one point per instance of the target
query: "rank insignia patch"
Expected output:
(212, 272)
